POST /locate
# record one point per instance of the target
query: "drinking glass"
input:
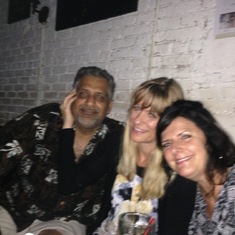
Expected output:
(133, 223)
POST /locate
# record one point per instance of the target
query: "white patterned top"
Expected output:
(125, 198)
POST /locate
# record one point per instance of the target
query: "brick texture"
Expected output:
(173, 38)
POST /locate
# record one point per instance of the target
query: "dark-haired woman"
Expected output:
(197, 148)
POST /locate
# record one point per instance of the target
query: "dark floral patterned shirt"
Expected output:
(30, 146)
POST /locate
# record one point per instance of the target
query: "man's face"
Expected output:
(92, 103)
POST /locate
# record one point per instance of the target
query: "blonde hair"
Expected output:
(156, 93)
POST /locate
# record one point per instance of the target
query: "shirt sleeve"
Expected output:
(16, 137)
(20, 136)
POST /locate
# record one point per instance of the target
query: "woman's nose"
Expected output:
(139, 117)
(176, 147)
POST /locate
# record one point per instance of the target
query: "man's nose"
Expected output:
(90, 99)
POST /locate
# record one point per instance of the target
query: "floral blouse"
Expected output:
(222, 221)
(125, 198)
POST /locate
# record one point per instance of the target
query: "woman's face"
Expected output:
(143, 123)
(184, 148)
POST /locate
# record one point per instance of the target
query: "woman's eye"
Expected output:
(136, 108)
(153, 115)
(165, 145)
(186, 136)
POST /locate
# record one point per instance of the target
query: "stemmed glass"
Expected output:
(133, 223)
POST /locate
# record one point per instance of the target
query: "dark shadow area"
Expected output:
(18, 10)
(72, 13)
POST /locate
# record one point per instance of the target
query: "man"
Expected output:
(45, 148)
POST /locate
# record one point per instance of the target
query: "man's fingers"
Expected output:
(68, 99)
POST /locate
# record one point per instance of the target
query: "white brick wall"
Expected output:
(186, 49)
(173, 38)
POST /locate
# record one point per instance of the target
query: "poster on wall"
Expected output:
(225, 18)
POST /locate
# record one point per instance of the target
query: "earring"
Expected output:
(221, 157)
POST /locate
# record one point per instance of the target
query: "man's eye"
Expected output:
(100, 98)
(82, 94)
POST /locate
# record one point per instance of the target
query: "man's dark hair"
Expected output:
(96, 72)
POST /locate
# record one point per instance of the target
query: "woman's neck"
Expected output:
(211, 190)
(143, 154)
(210, 196)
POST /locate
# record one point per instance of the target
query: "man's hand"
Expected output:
(65, 108)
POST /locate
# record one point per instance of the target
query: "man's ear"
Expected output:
(110, 107)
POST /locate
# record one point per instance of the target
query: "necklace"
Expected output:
(210, 192)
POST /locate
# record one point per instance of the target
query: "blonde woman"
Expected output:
(141, 179)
